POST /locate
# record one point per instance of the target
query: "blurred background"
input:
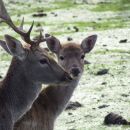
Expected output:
(105, 84)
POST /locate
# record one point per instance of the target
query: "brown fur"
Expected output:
(40, 112)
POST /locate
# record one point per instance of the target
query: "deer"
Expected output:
(54, 98)
(29, 69)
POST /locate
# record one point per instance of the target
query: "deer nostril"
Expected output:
(75, 71)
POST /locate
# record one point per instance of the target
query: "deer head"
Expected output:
(37, 65)
(71, 55)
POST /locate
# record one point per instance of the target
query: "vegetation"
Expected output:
(118, 5)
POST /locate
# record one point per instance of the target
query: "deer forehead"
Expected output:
(36, 53)
(71, 48)
(25, 45)
(41, 53)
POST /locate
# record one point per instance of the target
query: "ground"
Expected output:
(99, 94)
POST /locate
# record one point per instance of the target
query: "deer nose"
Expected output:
(75, 71)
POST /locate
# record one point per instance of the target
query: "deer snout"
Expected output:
(75, 71)
(67, 77)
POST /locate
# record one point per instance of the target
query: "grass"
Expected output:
(104, 25)
(111, 23)
(84, 26)
(121, 62)
(65, 4)
(119, 5)
(112, 51)
(53, 6)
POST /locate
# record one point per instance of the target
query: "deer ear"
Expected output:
(88, 43)
(15, 47)
(53, 44)
(4, 46)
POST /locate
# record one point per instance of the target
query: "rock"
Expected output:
(99, 19)
(104, 83)
(73, 121)
(88, 116)
(39, 14)
(40, 11)
(114, 119)
(102, 72)
(123, 41)
(124, 95)
(76, 29)
(75, 16)
(68, 28)
(55, 15)
(104, 45)
(73, 105)
(69, 38)
(102, 95)
(18, 15)
(52, 12)
(29, 5)
(38, 25)
(103, 106)
(96, 1)
(70, 113)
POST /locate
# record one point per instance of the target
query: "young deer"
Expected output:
(28, 70)
(53, 99)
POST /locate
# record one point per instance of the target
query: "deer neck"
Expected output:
(66, 93)
(58, 96)
(17, 91)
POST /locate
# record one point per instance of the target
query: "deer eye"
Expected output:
(61, 57)
(82, 56)
(43, 61)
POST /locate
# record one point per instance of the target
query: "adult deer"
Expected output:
(28, 70)
(53, 99)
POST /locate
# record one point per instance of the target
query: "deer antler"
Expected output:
(24, 35)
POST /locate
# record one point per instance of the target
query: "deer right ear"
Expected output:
(53, 44)
(15, 47)
(4, 46)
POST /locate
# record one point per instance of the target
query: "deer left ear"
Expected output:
(88, 43)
